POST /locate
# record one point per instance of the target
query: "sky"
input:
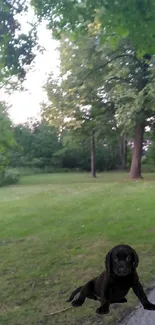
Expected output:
(26, 104)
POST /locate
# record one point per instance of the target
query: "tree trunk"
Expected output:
(135, 171)
(123, 152)
(93, 166)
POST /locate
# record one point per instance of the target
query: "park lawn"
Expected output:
(54, 233)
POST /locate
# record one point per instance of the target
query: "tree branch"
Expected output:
(118, 78)
(5, 83)
(113, 59)
(13, 5)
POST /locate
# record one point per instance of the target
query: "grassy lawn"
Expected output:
(54, 233)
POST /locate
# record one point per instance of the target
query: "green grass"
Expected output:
(54, 233)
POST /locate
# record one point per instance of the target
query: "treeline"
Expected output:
(42, 146)
(37, 146)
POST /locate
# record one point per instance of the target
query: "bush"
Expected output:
(148, 168)
(23, 171)
(48, 170)
(10, 176)
(28, 171)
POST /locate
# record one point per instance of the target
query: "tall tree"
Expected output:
(81, 103)
(133, 99)
(119, 77)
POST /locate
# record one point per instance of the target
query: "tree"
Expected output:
(132, 21)
(117, 19)
(16, 47)
(6, 138)
(75, 151)
(37, 144)
(82, 106)
(119, 83)
(42, 147)
(133, 102)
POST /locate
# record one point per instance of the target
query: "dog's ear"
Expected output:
(108, 261)
(135, 258)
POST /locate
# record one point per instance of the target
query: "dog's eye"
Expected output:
(128, 258)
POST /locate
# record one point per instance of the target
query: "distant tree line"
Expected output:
(41, 146)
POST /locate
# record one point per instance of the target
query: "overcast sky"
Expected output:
(26, 104)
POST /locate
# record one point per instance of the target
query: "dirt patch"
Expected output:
(152, 229)
(9, 242)
(6, 242)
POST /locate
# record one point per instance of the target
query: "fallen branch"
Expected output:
(59, 311)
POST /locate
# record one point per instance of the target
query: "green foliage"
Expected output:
(107, 48)
(81, 107)
(115, 19)
(87, 96)
(148, 168)
(149, 161)
(100, 89)
(27, 171)
(37, 143)
(4, 161)
(16, 47)
(6, 140)
(10, 176)
(47, 151)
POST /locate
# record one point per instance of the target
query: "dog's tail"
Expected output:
(74, 293)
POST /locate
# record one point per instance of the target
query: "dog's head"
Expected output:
(121, 260)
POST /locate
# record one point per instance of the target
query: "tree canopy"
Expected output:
(16, 47)
(124, 33)
(116, 19)
(7, 140)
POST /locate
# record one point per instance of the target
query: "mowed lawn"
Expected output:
(55, 231)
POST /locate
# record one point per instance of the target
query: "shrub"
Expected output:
(148, 168)
(28, 171)
(10, 176)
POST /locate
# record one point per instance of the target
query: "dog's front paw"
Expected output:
(149, 306)
(102, 310)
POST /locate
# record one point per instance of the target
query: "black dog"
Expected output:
(114, 283)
